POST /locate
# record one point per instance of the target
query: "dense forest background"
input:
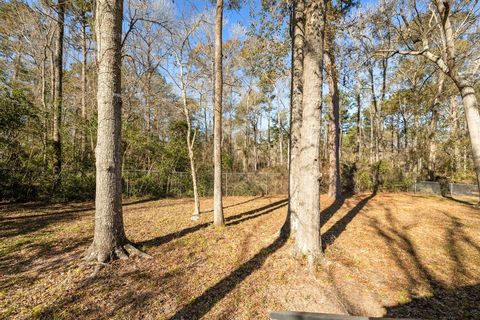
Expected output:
(397, 124)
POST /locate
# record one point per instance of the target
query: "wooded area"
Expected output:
(110, 99)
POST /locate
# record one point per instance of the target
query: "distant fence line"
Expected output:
(80, 184)
(178, 184)
(447, 188)
(24, 184)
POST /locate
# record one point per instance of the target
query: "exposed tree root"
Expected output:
(100, 259)
(134, 252)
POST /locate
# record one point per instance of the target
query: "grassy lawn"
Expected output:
(399, 255)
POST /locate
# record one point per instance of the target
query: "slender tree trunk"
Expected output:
(308, 240)
(44, 109)
(374, 121)
(83, 132)
(358, 153)
(432, 155)
(280, 139)
(454, 125)
(57, 98)
(109, 241)
(296, 105)
(372, 142)
(255, 149)
(190, 146)
(334, 185)
(218, 218)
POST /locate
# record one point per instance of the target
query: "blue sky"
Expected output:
(231, 17)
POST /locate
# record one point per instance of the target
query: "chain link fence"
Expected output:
(179, 184)
(26, 185)
(445, 189)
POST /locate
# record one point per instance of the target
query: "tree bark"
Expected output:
(109, 240)
(432, 155)
(358, 149)
(296, 105)
(472, 116)
(58, 92)
(190, 146)
(44, 108)
(307, 240)
(218, 218)
(334, 185)
(83, 133)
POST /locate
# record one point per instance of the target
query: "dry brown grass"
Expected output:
(391, 254)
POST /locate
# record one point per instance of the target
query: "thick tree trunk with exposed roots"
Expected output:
(109, 241)
(218, 218)
(298, 28)
(307, 238)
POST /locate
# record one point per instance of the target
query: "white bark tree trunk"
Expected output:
(190, 147)
(472, 115)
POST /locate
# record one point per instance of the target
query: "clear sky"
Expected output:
(231, 17)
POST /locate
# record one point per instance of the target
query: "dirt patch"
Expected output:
(399, 255)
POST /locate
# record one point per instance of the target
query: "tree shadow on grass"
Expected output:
(339, 227)
(330, 211)
(468, 203)
(232, 220)
(443, 302)
(236, 204)
(201, 305)
(458, 303)
(23, 224)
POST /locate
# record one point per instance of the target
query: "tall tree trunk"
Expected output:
(109, 241)
(255, 149)
(296, 105)
(334, 186)
(472, 116)
(358, 97)
(218, 218)
(374, 119)
(432, 155)
(58, 92)
(465, 86)
(44, 108)
(308, 240)
(83, 132)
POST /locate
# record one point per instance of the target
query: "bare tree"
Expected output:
(432, 35)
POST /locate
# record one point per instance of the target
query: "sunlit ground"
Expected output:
(399, 255)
